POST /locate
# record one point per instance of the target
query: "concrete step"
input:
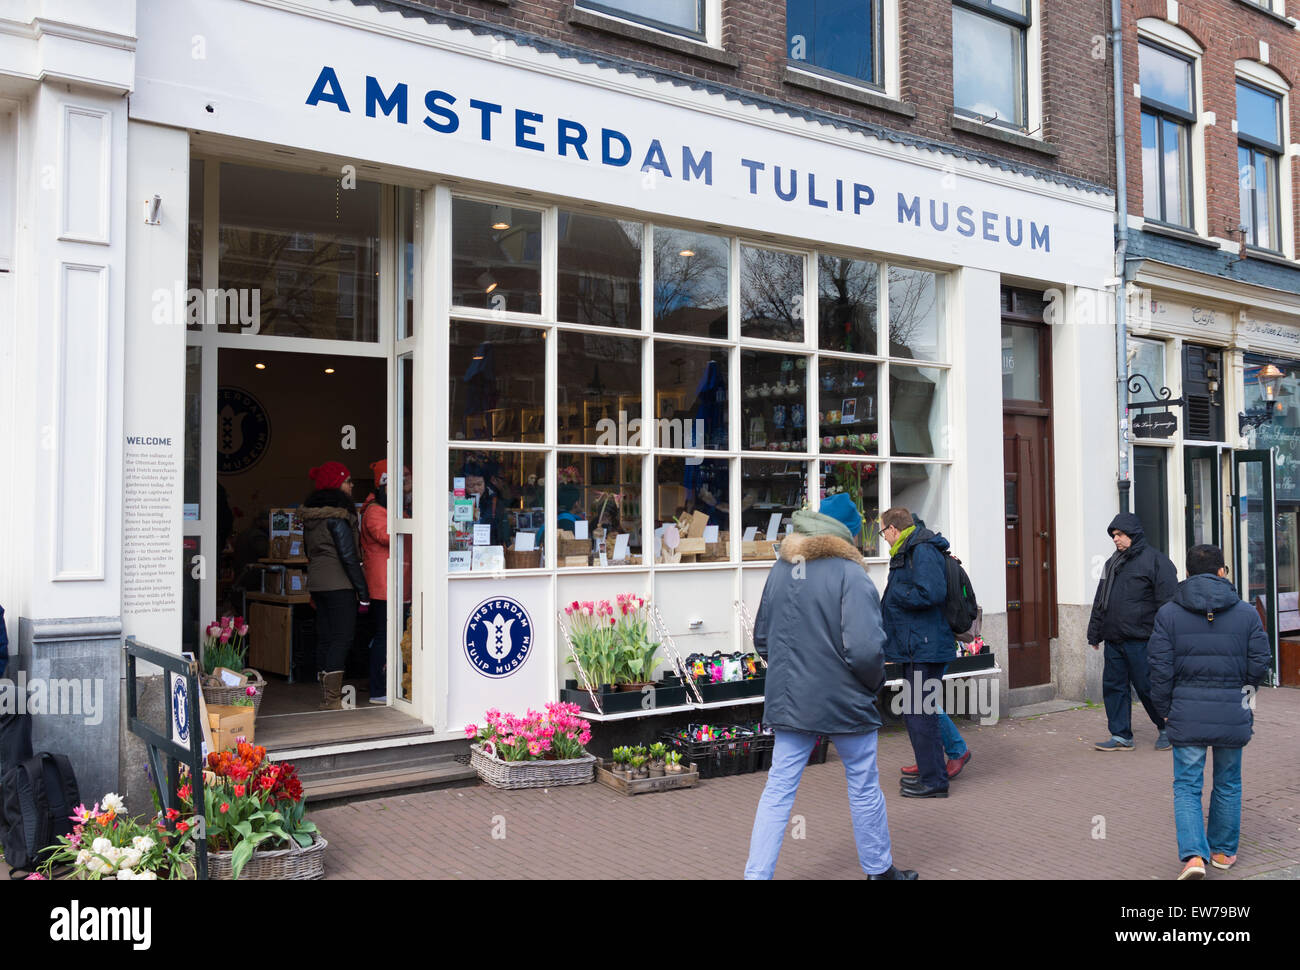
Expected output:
(343, 786)
(1046, 707)
(1024, 696)
(372, 754)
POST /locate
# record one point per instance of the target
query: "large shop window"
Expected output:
(990, 65)
(1259, 150)
(496, 257)
(839, 38)
(299, 255)
(600, 270)
(497, 382)
(847, 295)
(1168, 105)
(691, 280)
(675, 16)
(498, 509)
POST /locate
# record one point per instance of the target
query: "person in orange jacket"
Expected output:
(375, 548)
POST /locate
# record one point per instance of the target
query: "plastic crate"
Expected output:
(740, 755)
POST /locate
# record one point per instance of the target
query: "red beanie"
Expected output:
(379, 469)
(332, 474)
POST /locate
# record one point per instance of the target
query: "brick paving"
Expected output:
(1026, 807)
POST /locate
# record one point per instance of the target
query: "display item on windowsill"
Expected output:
(720, 669)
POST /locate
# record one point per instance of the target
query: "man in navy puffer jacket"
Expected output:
(1208, 653)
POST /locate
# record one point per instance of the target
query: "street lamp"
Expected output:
(1268, 379)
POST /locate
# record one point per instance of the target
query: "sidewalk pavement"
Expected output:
(1034, 802)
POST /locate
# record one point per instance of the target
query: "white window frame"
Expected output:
(712, 27)
(1033, 121)
(1263, 76)
(888, 49)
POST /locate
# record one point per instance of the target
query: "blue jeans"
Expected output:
(954, 745)
(1225, 801)
(1125, 663)
(866, 801)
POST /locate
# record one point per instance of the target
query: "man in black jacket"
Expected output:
(1208, 654)
(1136, 582)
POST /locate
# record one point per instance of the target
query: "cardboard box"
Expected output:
(228, 723)
(230, 678)
(287, 583)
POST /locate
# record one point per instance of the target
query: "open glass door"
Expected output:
(1256, 550)
(1201, 478)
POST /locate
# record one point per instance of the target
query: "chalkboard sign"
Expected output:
(1155, 424)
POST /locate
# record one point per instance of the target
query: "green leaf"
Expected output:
(243, 852)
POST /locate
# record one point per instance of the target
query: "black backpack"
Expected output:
(959, 608)
(36, 804)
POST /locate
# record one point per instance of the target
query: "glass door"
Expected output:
(1255, 552)
(1201, 478)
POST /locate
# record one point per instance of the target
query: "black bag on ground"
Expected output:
(36, 806)
(959, 607)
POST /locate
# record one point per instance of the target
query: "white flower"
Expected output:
(143, 843)
(101, 846)
(147, 874)
(112, 802)
(125, 873)
(130, 858)
(83, 857)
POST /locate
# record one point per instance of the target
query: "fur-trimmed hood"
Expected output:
(797, 546)
(324, 512)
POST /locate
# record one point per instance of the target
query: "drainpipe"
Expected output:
(1121, 257)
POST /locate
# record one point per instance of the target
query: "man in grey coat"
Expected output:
(819, 627)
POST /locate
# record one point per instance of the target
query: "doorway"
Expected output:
(1027, 468)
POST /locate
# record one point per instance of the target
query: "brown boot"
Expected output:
(331, 690)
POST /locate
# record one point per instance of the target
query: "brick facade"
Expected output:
(1075, 65)
(1227, 31)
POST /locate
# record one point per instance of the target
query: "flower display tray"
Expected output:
(640, 786)
(717, 759)
(530, 774)
(958, 665)
(294, 862)
(666, 694)
(736, 689)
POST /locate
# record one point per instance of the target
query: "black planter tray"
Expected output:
(737, 689)
(958, 665)
(624, 701)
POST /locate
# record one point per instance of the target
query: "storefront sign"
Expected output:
(243, 430)
(1155, 424)
(498, 637)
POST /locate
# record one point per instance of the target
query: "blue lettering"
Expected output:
(1020, 232)
(934, 222)
(776, 183)
(812, 193)
(572, 134)
(654, 158)
(525, 125)
(375, 98)
(862, 195)
(327, 88)
(909, 213)
(690, 167)
(990, 221)
(1037, 238)
(754, 169)
(965, 225)
(450, 122)
(487, 109)
(607, 137)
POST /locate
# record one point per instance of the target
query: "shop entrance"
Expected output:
(1255, 551)
(1027, 466)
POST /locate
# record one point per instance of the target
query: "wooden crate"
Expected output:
(270, 637)
(641, 786)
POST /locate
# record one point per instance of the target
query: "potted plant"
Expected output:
(539, 750)
(107, 843)
(673, 763)
(225, 644)
(657, 752)
(639, 769)
(621, 755)
(611, 644)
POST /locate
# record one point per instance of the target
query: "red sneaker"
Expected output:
(912, 771)
(957, 764)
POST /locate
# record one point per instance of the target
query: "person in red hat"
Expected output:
(334, 576)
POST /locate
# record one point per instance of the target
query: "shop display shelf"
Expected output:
(666, 695)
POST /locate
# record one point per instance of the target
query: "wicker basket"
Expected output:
(294, 862)
(228, 695)
(531, 774)
(530, 559)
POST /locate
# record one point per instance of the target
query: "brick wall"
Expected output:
(1075, 80)
(1226, 30)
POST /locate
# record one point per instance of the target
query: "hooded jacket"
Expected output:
(1207, 648)
(1134, 584)
(818, 626)
(913, 602)
(329, 533)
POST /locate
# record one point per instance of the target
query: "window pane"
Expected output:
(600, 270)
(771, 294)
(683, 488)
(498, 381)
(847, 295)
(847, 414)
(299, 253)
(915, 317)
(835, 35)
(684, 14)
(194, 269)
(1150, 362)
(496, 257)
(1020, 378)
(691, 271)
(1266, 230)
(406, 436)
(1165, 78)
(408, 219)
(191, 546)
(775, 400)
(691, 396)
(600, 380)
(1015, 6)
(861, 480)
(917, 412)
(193, 430)
(404, 548)
(604, 491)
(504, 490)
(920, 490)
(1258, 114)
(1151, 167)
(771, 492)
(1177, 167)
(1246, 190)
(988, 66)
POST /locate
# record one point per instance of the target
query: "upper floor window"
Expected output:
(675, 16)
(1168, 100)
(840, 38)
(990, 39)
(1259, 149)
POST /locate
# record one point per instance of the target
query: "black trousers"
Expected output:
(923, 679)
(336, 625)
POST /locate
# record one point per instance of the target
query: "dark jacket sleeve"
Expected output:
(344, 541)
(1160, 662)
(1258, 655)
(1166, 580)
(863, 635)
(1097, 616)
(925, 585)
(763, 621)
(4, 644)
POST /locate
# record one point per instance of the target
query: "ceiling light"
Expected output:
(329, 370)
(492, 287)
(500, 217)
(260, 366)
(687, 252)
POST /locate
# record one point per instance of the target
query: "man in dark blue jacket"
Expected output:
(1208, 654)
(1136, 582)
(918, 637)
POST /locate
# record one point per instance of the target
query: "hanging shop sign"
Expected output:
(1155, 424)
